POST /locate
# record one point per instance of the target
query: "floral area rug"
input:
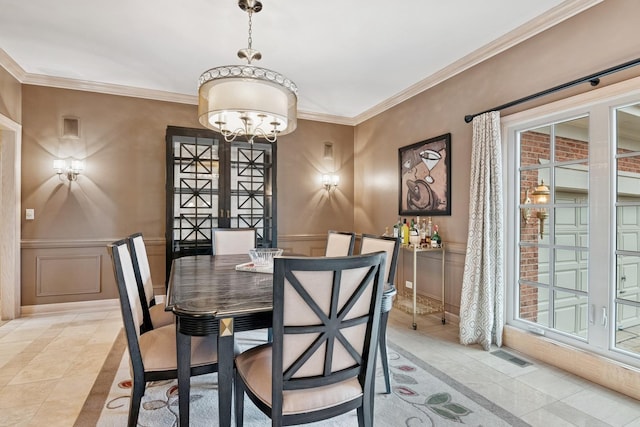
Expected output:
(421, 396)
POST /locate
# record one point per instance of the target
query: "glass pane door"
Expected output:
(554, 253)
(627, 289)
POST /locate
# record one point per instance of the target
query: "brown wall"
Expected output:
(122, 190)
(304, 206)
(601, 37)
(10, 96)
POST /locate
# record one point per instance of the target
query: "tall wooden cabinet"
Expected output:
(212, 183)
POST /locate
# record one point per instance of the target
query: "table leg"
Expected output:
(183, 346)
(225, 379)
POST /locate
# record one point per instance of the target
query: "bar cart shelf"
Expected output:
(413, 303)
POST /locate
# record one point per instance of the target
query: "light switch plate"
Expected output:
(29, 214)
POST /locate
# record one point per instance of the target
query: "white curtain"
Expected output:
(482, 299)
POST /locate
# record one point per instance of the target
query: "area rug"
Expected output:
(421, 396)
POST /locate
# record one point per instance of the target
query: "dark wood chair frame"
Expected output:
(388, 294)
(140, 376)
(328, 331)
(346, 233)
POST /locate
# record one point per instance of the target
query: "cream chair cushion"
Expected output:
(159, 316)
(255, 364)
(154, 345)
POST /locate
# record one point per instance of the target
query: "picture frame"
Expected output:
(424, 182)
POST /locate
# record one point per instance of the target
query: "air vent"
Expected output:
(70, 127)
(511, 358)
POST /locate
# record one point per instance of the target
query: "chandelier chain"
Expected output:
(250, 40)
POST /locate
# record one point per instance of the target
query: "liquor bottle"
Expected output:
(423, 233)
(435, 238)
(429, 228)
(396, 230)
(414, 236)
(405, 232)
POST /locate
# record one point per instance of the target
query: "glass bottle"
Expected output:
(435, 238)
(405, 232)
(423, 233)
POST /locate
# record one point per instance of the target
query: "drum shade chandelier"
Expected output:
(244, 100)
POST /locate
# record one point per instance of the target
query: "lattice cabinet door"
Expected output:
(212, 183)
(251, 202)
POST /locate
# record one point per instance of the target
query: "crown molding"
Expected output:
(543, 22)
(110, 89)
(327, 118)
(553, 17)
(11, 66)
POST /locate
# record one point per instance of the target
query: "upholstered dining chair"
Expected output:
(391, 245)
(152, 354)
(233, 241)
(340, 243)
(321, 363)
(154, 315)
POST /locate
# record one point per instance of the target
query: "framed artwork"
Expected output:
(425, 177)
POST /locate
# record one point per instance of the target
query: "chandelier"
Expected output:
(245, 100)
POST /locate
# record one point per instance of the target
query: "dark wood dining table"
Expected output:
(210, 297)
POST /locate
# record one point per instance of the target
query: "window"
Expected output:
(574, 204)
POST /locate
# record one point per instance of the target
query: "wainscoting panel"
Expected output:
(67, 275)
(62, 271)
(68, 271)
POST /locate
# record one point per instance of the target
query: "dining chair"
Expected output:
(391, 245)
(321, 363)
(154, 315)
(233, 241)
(152, 354)
(340, 243)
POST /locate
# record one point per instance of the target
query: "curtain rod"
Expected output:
(594, 79)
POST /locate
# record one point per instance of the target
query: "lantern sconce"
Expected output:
(330, 182)
(540, 196)
(70, 170)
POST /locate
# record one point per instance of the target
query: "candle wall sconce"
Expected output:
(330, 182)
(69, 170)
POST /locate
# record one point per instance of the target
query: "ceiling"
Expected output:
(350, 59)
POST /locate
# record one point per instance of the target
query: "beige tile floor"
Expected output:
(48, 364)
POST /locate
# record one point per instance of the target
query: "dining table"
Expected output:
(209, 296)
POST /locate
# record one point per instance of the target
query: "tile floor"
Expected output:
(48, 364)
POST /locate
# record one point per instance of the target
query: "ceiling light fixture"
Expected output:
(244, 100)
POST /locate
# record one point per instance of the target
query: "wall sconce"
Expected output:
(69, 170)
(540, 196)
(330, 182)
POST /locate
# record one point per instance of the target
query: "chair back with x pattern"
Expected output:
(325, 323)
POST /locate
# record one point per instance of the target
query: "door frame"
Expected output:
(10, 208)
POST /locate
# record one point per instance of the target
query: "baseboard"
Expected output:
(606, 372)
(69, 307)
